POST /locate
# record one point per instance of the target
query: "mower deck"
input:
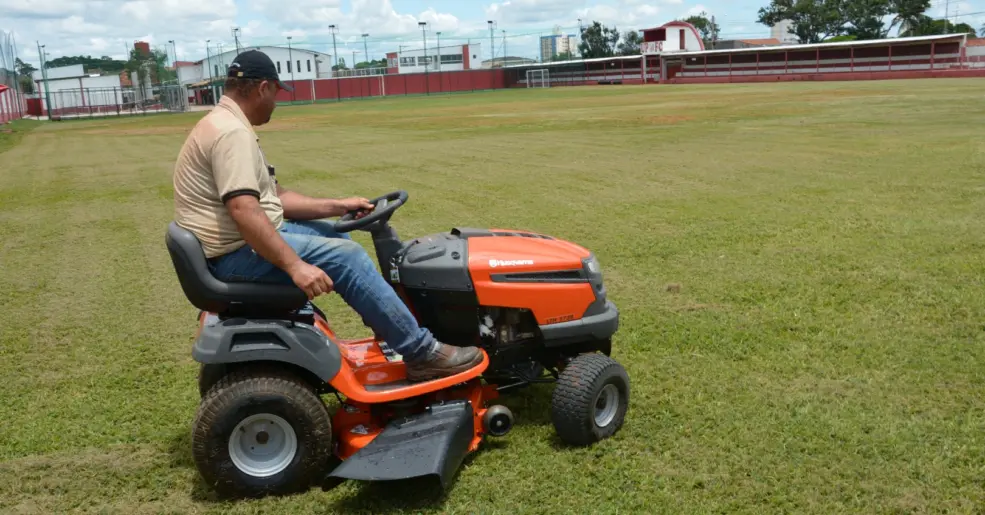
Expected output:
(432, 443)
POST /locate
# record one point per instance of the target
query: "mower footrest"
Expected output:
(433, 443)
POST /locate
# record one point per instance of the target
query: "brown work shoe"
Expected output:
(446, 360)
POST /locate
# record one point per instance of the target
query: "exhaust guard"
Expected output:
(433, 443)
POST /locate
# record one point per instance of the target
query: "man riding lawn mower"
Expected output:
(458, 317)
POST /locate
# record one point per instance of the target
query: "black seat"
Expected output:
(207, 293)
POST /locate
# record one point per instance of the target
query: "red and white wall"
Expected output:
(12, 105)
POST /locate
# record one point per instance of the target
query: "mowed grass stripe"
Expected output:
(799, 268)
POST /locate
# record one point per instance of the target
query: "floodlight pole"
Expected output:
(290, 66)
(505, 54)
(44, 77)
(208, 64)
(439, 50)
(365, 50)
(492, 51)
(424, 37)
(335, 51)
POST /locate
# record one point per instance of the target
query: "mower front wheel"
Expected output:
(261, 431)
(590, 400)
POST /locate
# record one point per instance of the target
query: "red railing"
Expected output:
(11, 105)
(391, 85)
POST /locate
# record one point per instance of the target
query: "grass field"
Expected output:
(800, 270)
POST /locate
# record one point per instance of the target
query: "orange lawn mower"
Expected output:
(535, 305)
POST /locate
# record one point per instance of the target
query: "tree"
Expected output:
(864, 18)
(562, 56)
(906, 13)
(89, 64)
(373, 64)
(812, 21)
(927, 26)
(150, 67)
(23, 68)
(708, 30)
(598, 41)
(631, 43)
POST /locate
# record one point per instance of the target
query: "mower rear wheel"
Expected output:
(261, 431)
(590, 400)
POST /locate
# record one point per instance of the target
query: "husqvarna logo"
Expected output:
(493, 263)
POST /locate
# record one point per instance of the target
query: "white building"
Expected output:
(445, 58)
(292, 64)
(557, 44)
(675, 36)
(781, 31)
(72, 90)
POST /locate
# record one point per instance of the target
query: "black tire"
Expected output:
(573, 405)
(261, 390)
(208, 376)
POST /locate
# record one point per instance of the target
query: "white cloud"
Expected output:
(695, 11)
(110, 27)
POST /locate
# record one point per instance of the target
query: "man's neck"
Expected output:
(243, 106)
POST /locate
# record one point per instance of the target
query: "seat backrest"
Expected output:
(207, 293)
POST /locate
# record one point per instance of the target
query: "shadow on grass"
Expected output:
(180, 454)
(530, 406)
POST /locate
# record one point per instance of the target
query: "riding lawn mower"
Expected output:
(535, 305)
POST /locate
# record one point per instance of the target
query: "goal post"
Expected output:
(538, 78)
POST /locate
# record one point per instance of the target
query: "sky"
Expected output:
(109, 27)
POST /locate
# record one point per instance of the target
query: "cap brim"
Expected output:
(284, 86)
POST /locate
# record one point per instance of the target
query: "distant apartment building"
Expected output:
(781, 31)
(557, 44)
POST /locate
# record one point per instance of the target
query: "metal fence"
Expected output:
(11, 97)
(122, 101)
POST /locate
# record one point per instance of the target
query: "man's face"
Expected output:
(267, 101)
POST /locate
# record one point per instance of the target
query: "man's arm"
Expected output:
(302, 207)
(234, 155)
(262, 237)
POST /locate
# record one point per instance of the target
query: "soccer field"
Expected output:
(800, 270)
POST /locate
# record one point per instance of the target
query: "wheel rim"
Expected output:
(606, 405)
(262, 445)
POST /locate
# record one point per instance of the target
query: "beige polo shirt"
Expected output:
(221, 159)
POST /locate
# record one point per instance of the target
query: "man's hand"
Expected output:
(261, 235)
(313, 280)
(355, 204)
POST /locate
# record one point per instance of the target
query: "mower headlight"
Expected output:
(593, 266)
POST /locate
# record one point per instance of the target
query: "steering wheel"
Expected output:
(383, 209)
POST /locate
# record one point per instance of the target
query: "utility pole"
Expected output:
(44, 77)
(236, 37)
(335, 52)
(947, 17)
(427, 65)
(439, 50)
(505, 55)
(365, 49)
(714, 33)
(581, 33)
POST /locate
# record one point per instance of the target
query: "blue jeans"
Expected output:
(354, 276)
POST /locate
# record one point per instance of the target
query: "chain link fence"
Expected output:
(122, 101)
(11, 95)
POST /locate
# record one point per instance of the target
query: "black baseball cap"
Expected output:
(254, 64)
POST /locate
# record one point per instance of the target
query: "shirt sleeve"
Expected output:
(234, 158)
